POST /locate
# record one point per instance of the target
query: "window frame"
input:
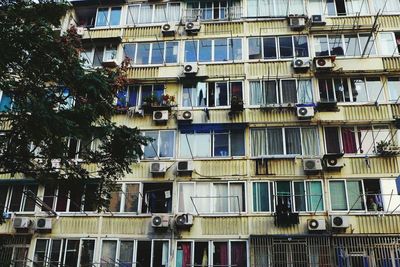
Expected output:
(271, 189)
(134, 63)
(157, 156)
(153, 8)
(362, 200)
(89, 56)
(22, 205)
(108, 19)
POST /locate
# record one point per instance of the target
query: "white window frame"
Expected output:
(228, 47)
(90, 53)
(153, 7)
(108, 17)
(271, 189)
(21, 208)
(118, 249)
(363, 199)
(158, 145)
(151, 44)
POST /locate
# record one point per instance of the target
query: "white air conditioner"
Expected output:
(301, 63)
(80, 30)
(160, 221)
(184, 220)
(168, 29)
(185, 166)
(318, 20)
(192, 27)
(323, 63)
(158, 167)
(297, 23)
(316, 225)
(305, 112)
(43, 224)
(333, 163)
(340, 221)
(160, 115)
(312, 165)
(190, 69)
(22, 223)
(186, 115)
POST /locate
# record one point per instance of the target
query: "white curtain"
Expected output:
(354, 7)
(256, 93)
(220, 197)
(258, 143)
(315, 7)
(186, 143)
(296, 7)
(281, 7)
(293, 141)
(305, 93)
(391, 6)
(132, 16)
(160, 13)
(186, 191)
(388, 44)
(203, 201)
(236, 197)
(275, 141)
(146, 14)
(310, 141)
(173, 11)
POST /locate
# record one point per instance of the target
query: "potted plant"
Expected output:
(236, 103)
(387, 148)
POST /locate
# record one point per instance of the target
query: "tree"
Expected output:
(55, 103)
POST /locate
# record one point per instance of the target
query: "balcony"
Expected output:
(213, 14)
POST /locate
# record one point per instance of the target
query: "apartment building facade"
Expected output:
(275, 127)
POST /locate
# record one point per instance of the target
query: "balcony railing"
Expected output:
(208, 14)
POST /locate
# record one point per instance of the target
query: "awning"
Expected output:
(207, 127)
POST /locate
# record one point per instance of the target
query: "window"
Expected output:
(65, 252)
(217, 50)
(271, 8)
(13, 198)
(394, 88)
(281, 92)
(206, 198)
(342, 7)
(262, 196)
(353, 45)
(223, 253)
(211, 94)
(94, 57)
(141, 198)
(211, 143)
(284, 141)
(388, 44)
(387, 7)
(356, 195)
(163, 145)
(152, 53)
(154, 253)
(216, 10)
(108, 16)
(279, 47)
(5, 102)
(152, 91)
(356, 139)
(153, 13)
(128, 97)
(298, 196)
(109, 255)
(359, 89)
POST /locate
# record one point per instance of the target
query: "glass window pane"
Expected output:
(220, 253)
(388, 46)
(269, 46)
(16, 198)
(151, 150)
(314, 196)
(186, 145)
(171, 52)
(352, 46)
(102, 17)
(349, 140)
(235, 49)
(29, 203)
(131, 198)
(115, 199)
(283, 192)
(270, 92)
(367, 45)
(275, 141)
(255, 48)
(221, 94)
(167, 143)
(305, 92)
(289, 91)
(342, 90)
(355, 195)
(157, 53)
(358, 90)
(126, 253)
(205, 50)
(221, 197)
(338, 195)
(293, 141)
(237, 143)
(203, 145)
(98, 56)
(143, 54)
(238, 254)
(310, 141)
(321, 46)
(71, 253)
(40, 252)
(132, 16)
(87, 252)
(261, 198)
(186, 192)
(161, 253)
(300, 46)
(285, 47)
(258, 143)
(190, 51)
(3, 197)
(108, 253)
(299, 196)
(220, 50)
(115, 16)
(221, 144)
(375, 90)
(160, 14)
(146, 13)
(332, 140)
(365, 140)
(394, 88)
(173, 11)
(236, 193)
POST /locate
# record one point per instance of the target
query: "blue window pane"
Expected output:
(158, 91)
(121, 98)
(235, 49)
(147, 91)
(115, 17)
(102, 15)
(171, 53)
(132, 98)
(285, 47)
(142, 56)
(220, 50)
(129, 52)
(190, 51)
(157, 54)
(300, 46)
(5, 103)
(269, 48)
(205, 50)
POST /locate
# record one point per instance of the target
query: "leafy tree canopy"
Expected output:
(55, 101)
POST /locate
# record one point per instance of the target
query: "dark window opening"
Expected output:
(397, 36)
(373, 195)
(340, 7)
(157, 198)
(86, 16)
(332, 140)
(143, 257)
(200, 252)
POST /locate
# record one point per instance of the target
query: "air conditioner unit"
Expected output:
(22, 223)
(190, 69)
(43, 224)
(158, 167)
(80, 30)
(160, 115)
(340, 221)
(160, 221)
(110, 63)
(185, 115)
(192, 27)
(297, 23)
(305, 112)
(318, 20)
(323, 63)
(168, 29)
(312, 165)
(316, 225)
(184, 220)
(332, 163)
(185, 166)
(301, 63)
(56, 164)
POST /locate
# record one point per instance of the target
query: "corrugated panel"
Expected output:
(389, 22)
(366, 113)
(76, 225)
(221, 116)
(10, 176)
(225, 70)
(142, 170)
(387, 224)
(271, 116)
(271, 69)
(215, 168)
(258, 28)
(103, 33)
(377, 165)
(132, 226)
(225, 226)
(349, 21)
(145, 122)
(7, 227)
(143, 32)
(396, 110)
(142, 73)
(391, 63)
(262, 225)
(230, 28)
(5, 125)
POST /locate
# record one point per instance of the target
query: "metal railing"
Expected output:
(217, 13)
